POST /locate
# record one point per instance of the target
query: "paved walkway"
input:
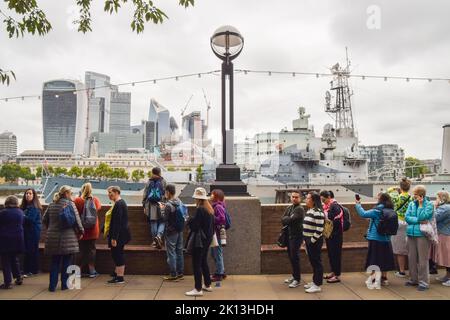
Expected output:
(243, 287)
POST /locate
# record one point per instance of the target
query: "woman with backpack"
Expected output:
(380, 248)
(313, 223)
(62, 240)
(88, 207)
(201, 226)
(32, 225)
(218, 203)
(153, 195)
(442, 249)
(419, 212)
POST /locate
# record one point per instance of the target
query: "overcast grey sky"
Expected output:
(288, 35)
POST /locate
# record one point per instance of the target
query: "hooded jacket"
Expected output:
(375, 216)
(153, 211)
(443, 219)
(169, 215)
(414, 215)
(219, 216)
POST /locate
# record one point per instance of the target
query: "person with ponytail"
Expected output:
(87, 244)
(61, 243)
(201, 226)
(32, 225)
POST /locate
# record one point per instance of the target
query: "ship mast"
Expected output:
(342, 107)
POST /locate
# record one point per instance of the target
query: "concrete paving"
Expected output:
(239, 287)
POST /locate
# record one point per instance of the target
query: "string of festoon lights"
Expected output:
(239, 71)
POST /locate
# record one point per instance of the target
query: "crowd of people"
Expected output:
(408, 229)
(73, 228)
(406, 232)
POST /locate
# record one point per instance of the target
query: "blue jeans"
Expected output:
(217, 254)
(157, 227)
(56, 267)
(174, 248)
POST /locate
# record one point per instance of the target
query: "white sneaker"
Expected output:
(194, 293)
(294, 284)
(313, 289)
(375, 285)
(308, 285)
(400, 274)
(289, 280)
(208, 289)
(442, 279)
(446, 283)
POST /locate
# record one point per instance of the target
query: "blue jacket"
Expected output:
(374, 215)
(443, 219)
(32, 226)
(414, 215)
(11, 231)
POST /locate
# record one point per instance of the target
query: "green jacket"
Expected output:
(401, 202)
(293, 218)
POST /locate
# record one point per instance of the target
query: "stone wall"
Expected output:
(271, 223)
(250, 246)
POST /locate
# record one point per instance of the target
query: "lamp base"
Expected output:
(228, 179)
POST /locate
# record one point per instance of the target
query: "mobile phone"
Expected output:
(357, 197)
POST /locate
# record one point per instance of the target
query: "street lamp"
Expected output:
(227, 43)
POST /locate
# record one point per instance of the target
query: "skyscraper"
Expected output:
(120, 111)
(193, 127)
(64, 116)
(109, 116)
(99, 96)
(8, 145)
(161, 116)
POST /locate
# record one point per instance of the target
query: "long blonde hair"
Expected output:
(205, 204)
(86, 190)
(61, 193)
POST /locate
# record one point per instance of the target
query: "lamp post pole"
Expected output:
(227, 43)
(227, 70)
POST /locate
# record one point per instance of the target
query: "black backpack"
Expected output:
(388, 224)
(347, 218)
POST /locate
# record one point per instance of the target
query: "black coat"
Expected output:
(202, 223)
(293, 218)
(119, 229)
(11, 231)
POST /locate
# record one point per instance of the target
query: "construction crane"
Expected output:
(185, 107)
(208, 107)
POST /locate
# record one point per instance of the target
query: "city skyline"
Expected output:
(295, 42)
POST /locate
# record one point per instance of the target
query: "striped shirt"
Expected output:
(313, 224)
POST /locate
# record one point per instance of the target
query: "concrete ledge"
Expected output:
(274, 260)
(345, 246)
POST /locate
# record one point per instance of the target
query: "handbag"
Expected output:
(327, 228)
(107, 224)
(429, 231)
(283, 238)
(189, 243)
(214, 242)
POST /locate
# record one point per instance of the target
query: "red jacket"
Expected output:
(93, 233)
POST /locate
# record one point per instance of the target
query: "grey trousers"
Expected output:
(418, 255)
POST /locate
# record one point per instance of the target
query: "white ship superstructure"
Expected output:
(299, 156)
